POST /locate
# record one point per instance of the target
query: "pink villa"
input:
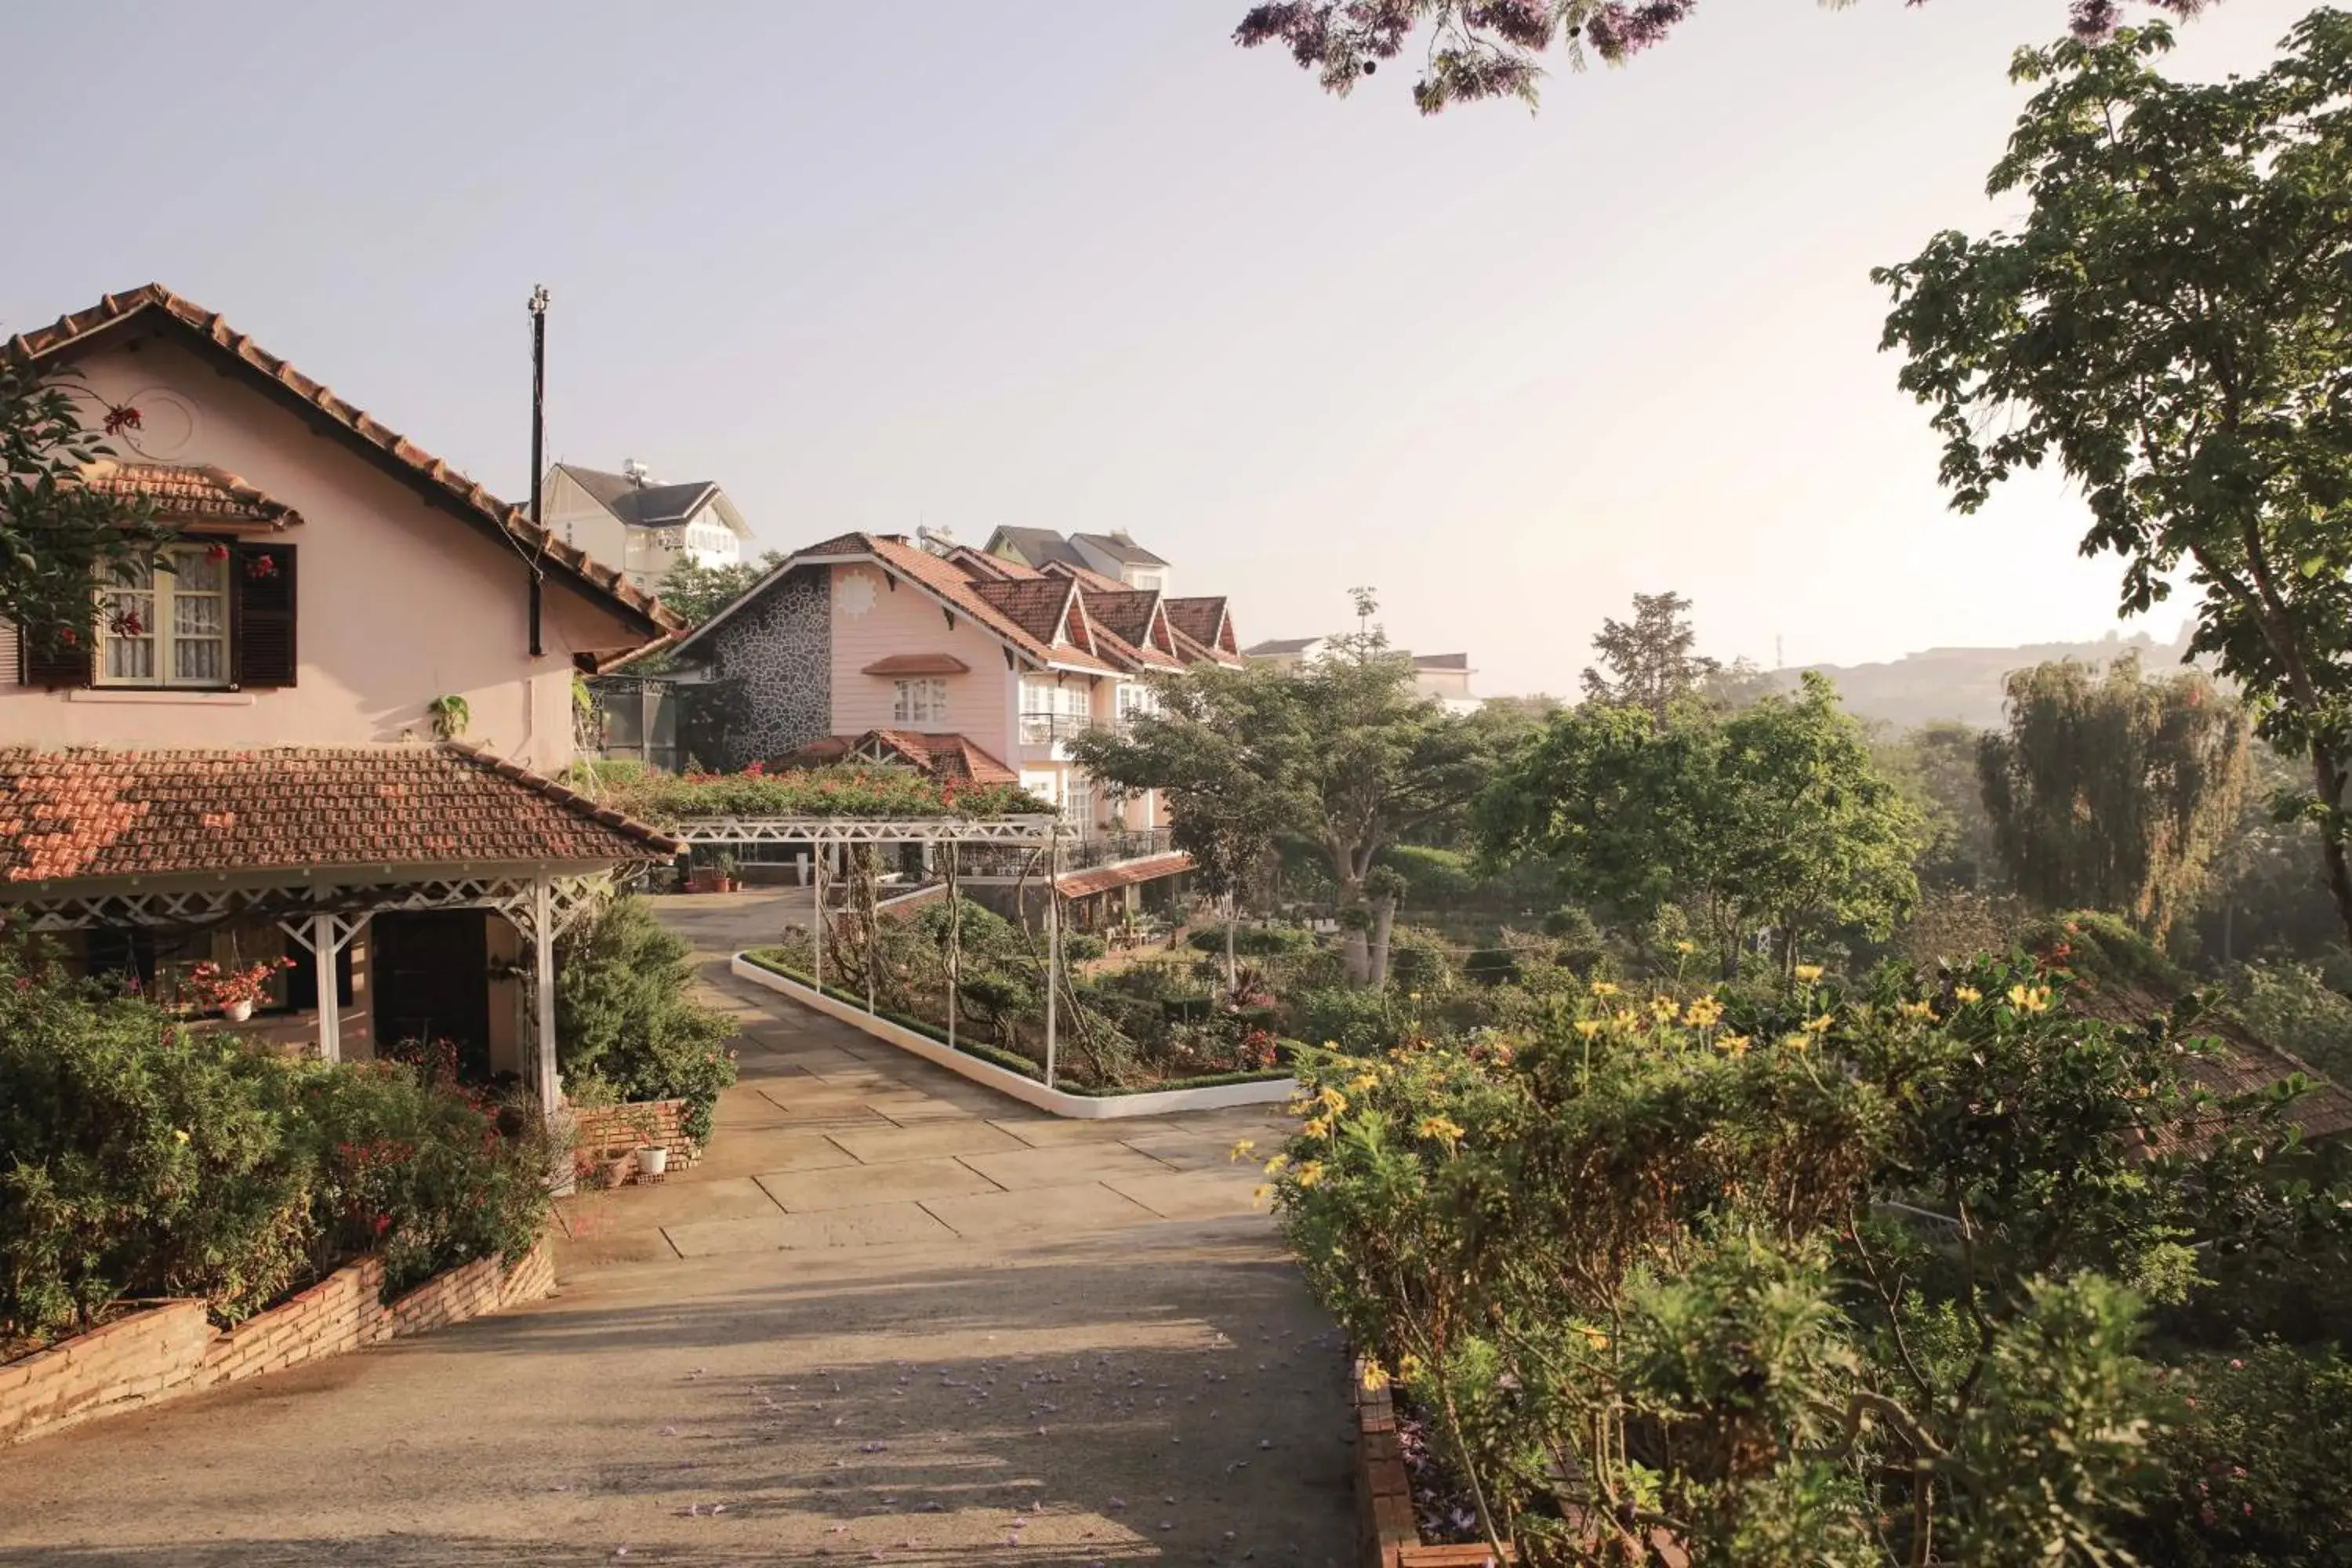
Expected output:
(331, 732)
(967, 664)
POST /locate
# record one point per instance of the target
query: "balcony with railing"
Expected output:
(1099, 847)
(1052, 729)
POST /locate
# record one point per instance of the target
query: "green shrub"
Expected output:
(1351, 1019)
(1253, 942)
(2255, 1455)
(139, 1158)
(624, 1015)
(1081, 946)
(1417, 961)
(2291, 1007)
(1434, 878)
(418, 1170)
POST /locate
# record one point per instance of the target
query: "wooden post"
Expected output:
(542, 931)
(1052, 946)
(330, 1011)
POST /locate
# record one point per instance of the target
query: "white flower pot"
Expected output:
(237, 1012)
(653, 1160)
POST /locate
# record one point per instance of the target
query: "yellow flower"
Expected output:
(1264, 1192)
(1967, 996)
(1917, 1009)
(1819, 1026)
(2030, 999)
(1274, 1167)
(1588, 1027)
(1374, 1378)
(1663, 1008)
(1332, 1100)
(1443, 1129)
(1604, 988)
(1703, 1013)
(1363, 1082)
(1412, 996)
(1408, 1365)
(1318, 1128)
(1797, 1042)
(1243, 1150)
(181, 1135)
(1595, 1337)
(1736, 1044)
(1309, 1174)
(1686, 947)
(1809, 972)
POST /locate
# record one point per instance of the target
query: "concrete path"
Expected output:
(891, 1317)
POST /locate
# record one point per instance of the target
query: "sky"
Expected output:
(1086, 266)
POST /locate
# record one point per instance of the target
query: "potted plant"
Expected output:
(726, 865)
(233, 992)
(652, 1155)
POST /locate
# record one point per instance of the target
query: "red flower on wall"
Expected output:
(120, 417)
(215, 552)
(262, 565)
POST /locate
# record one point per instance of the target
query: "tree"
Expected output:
(1649, 663)
(695, 591)
(1773, 818)
(60, 539)
(1341, 754)
(2113, 794)
(1489, 48)
(2173, 324)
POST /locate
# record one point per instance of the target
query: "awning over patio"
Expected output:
(1126, 873)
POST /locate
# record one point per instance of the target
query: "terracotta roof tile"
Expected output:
(1038, 608)
(87, 811)
(1103, 878)
(188, 494)
(445, 484)
(1203, 618)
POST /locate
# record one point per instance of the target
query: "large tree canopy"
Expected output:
(60, 539)
(1342, 755)
(1772, 817)
(1648, 662)
(1493, 49)
(2173, 324)
(2113, 794)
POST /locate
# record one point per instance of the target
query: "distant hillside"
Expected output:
(1965, 683)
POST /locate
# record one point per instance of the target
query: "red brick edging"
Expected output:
(171, 1349)
(1390, 1535)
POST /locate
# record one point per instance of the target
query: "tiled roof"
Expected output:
(87, 811)
(427, 473)
(188, 494)
(1201, 618)
(1038, 608)
(981, 563)
(946, 757)
(641, 505)
(1126, 873)
(1194, 651)
(1460, 661)
(1121, 547)
(1086, 577)
(1039, 545)
(1126, 611)
(1128, 655)
(2246, 1065)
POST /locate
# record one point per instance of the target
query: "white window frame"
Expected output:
(156, 603)
(919, 700)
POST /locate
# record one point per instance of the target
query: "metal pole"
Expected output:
(1052, 946)
(955, 943)
(873, 924)
(816, 926)
(538, 444)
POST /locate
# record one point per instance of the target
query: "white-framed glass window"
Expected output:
(167, 625)
(1134, 697)
(922, 701)
(1078, 799)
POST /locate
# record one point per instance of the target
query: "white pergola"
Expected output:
(1040, 832)
(321, 913)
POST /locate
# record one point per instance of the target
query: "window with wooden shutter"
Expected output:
(265, 615)
(53, 664)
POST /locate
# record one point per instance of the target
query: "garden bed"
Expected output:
(168, 1348)
(1390, 1526)
(1013, 1075)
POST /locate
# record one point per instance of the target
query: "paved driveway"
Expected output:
(892, 1317)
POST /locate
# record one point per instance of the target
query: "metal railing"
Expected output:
(1044, 729)
(1100, 849)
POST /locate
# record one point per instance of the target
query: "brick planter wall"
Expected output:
(171, 1349)
(1390, 1535)
(607, 1127)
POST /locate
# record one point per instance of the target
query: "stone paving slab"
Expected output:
(852, 1186)
(1070, 1165)
(874, 1224)
(972, 1136)
(904, 1108)
(1040, 1213)
(1193, 1195)
(1053, 1132)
